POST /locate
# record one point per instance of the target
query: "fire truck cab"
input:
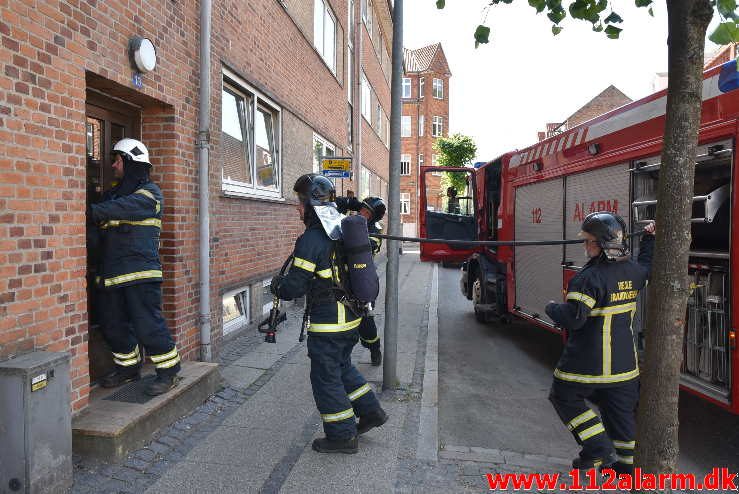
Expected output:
(612, 163)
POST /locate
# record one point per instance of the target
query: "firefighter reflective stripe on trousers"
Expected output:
(627, 460)
(591, 431)
(147, 222)
(165, 356)
(125, 356)
(581, 297)
(336, 417)
(303, 264)
(324, 273)
(624, 444)
(168, 363)
(148, 194)
(127, 359)
(372, 340)
(359, 392)
(581, 419)
(139, 275)
(588, 379)
(166, 360)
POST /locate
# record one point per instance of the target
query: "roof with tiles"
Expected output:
(419, 60)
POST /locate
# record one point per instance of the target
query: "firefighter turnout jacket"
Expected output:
(598, 315)
(311, 275)
(130, 226)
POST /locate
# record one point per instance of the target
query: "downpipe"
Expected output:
(203, 146)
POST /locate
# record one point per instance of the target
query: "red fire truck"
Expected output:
(610, 163)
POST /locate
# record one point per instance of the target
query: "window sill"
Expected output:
(234, 194)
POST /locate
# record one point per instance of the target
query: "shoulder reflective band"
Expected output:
(148, 194)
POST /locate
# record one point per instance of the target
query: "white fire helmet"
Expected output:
(133, 149)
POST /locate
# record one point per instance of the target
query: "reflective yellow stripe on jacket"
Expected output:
(144, 192)
(340, 326)
(139, 275)
(147, 222)
(607, 377)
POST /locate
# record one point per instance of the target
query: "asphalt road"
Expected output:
(494, 381)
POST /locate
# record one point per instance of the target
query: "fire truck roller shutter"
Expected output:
(538, 268)
(604, 189)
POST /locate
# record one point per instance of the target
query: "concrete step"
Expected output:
(118, 420)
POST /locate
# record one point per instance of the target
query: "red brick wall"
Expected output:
(51, 53)
(415, 145)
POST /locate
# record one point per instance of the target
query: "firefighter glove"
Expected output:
(274, 285)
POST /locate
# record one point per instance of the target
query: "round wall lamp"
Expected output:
(143, 54)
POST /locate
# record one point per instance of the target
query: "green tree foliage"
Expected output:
(605, 20)
(458, 151)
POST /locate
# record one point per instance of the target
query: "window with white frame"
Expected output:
(438, 89)
(250, 141)
(321, 148)
(379, 117)
(437, 127)
(421, 86)
(406, 87)
(405, 126)
(366, 96)
(435, 162)
(364, 182)
(367, 14)
(405, 164)
(420, 159)
(387, 131)
(421, 125)
(405, 203)
(324, 33)
(235, 309)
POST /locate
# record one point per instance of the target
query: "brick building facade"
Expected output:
(425, 118)
(608, 99)
(283, 93)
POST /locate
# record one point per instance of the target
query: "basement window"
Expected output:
(235, 310)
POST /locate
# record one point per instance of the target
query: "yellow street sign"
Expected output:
(340, 164)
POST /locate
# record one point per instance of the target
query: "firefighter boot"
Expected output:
(371, 420)
(585, 463)
(376, 354)
(326, 445)
(117, 378)
(161, 385)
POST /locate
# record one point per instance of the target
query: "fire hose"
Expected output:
(487, 243)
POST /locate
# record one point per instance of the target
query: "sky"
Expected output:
(502, 93)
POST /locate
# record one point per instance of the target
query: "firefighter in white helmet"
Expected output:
(129, 219)
(599, 362)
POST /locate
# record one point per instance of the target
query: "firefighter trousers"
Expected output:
(131, 318)
(368, 333)
(599, 436)
(340, 391)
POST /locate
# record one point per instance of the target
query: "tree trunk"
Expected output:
(657, 425)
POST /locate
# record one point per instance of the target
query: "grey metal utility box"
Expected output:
(35, 424)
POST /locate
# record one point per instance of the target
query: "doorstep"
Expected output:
(123, 419)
